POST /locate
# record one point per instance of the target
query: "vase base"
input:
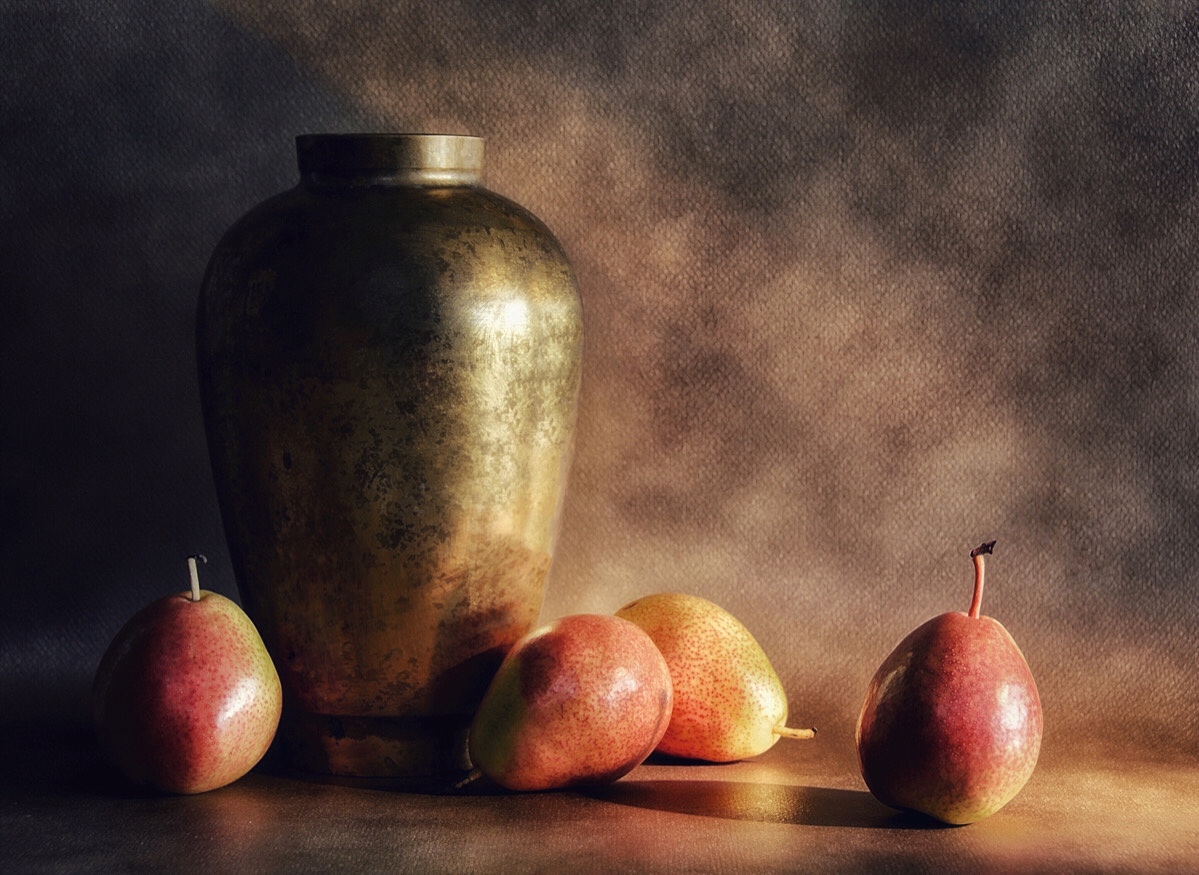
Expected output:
(419, 753)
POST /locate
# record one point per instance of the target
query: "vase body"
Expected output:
(389, 359)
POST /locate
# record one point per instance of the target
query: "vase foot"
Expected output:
(417, 753)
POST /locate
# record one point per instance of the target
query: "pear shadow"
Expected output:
(764, 803)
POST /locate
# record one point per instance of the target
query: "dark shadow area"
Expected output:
(57, 756)
(764, 803)
(657, 758)
(133, 135)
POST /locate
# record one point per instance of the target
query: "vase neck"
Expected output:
(390, 159)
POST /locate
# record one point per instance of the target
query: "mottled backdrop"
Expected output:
(864, 285)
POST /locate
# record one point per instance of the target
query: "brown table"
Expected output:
(799, 807)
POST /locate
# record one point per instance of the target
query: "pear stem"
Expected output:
(788, 732)
(194, 573)
(471, 776)
(980, 570)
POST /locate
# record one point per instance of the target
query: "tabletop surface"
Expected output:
(799, 807)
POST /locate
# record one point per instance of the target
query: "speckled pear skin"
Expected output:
(727, 697)
(186, 698)
(951, 725)
(580, 701)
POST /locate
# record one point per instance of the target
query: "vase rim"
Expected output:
(406, 157)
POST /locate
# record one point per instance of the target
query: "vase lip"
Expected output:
(380, 158)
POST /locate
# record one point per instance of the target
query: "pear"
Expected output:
(186, 698)
(951, 724)
(580, 701)
(729, 703)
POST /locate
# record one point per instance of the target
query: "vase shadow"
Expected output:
(763, 803)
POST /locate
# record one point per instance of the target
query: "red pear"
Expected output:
(583, 700)
(186, 698)
(951, 725)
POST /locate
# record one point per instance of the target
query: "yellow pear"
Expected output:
(729, 703)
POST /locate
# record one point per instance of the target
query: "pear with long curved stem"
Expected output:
(951, 724)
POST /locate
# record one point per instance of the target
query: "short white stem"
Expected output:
(194, 572)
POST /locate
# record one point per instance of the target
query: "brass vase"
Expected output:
(389, 359)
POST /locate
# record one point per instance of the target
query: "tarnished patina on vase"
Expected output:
(389, 359)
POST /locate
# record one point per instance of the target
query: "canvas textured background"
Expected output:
(864, 285)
